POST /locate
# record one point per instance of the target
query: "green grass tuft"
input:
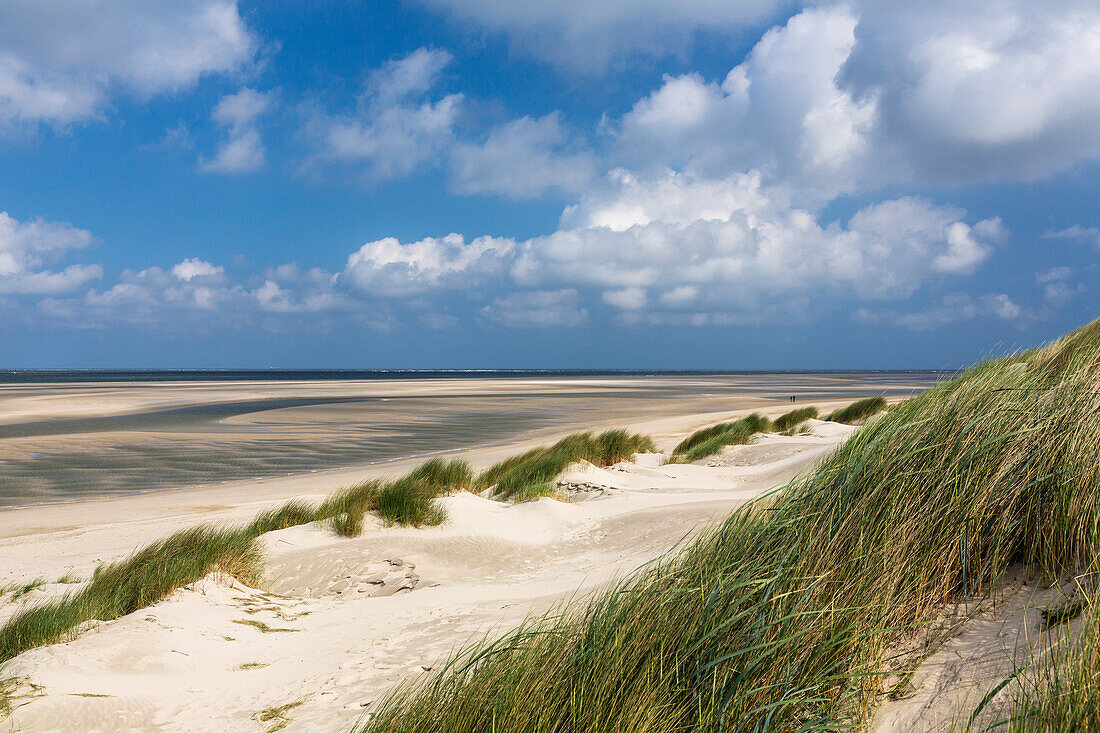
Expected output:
(1062, 696)
(708, 441)
(532, 474)
(344, 511)
(410, 501)
(858, 410)
(123, 587)
(120, 588)
(794, 418)
(291, 514)
(19, 591)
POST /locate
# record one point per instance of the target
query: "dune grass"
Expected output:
(157, 570)
(408, 500)
(123, 587)
(794, 418)
(291, 514)
(708, 441)
(532, 474)
(152, 573)
(778, 618)
(858, 410)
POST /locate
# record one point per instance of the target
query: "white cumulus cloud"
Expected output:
(979, 91)
(523, 158)
(733, 244)
(243, 151)
(780, 111)
(60, 62)
(388, 268)
(30, 250)
(194, 267)
(396, 127)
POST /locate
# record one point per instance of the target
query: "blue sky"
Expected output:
(479, 184)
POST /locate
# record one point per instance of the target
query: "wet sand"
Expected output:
(65, 442)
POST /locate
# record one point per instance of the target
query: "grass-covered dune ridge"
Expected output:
(531, 474)
(858, 410)
(711, 440)
(794, 418)
(157, 570)
(126, 586)
(778, 619)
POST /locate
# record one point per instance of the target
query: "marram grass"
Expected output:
(532, 474)
(794, 418)
(711, 440)
(1062, 696)
(123, 587)
(157, 570)
(152, 573)
(858, 410)
(777, 620)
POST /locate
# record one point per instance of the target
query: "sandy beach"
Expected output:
(338, 621)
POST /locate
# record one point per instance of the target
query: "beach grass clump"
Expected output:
(778, 618)
(794, 418)
(858, 410)
(291, 514)
(711, 440)
(345, 510)
(122, 587)
(453, 475)
(19, 590)
(532, 474)
(409, 500)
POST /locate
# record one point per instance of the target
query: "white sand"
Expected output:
(351, 617)
(988, 644)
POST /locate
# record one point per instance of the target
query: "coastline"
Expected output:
(238, 500)
(64, 442)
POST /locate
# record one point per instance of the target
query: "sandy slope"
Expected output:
(990, 647)
(341, 620)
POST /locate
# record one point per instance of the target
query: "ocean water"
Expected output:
(63, 376)
(71, 458)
